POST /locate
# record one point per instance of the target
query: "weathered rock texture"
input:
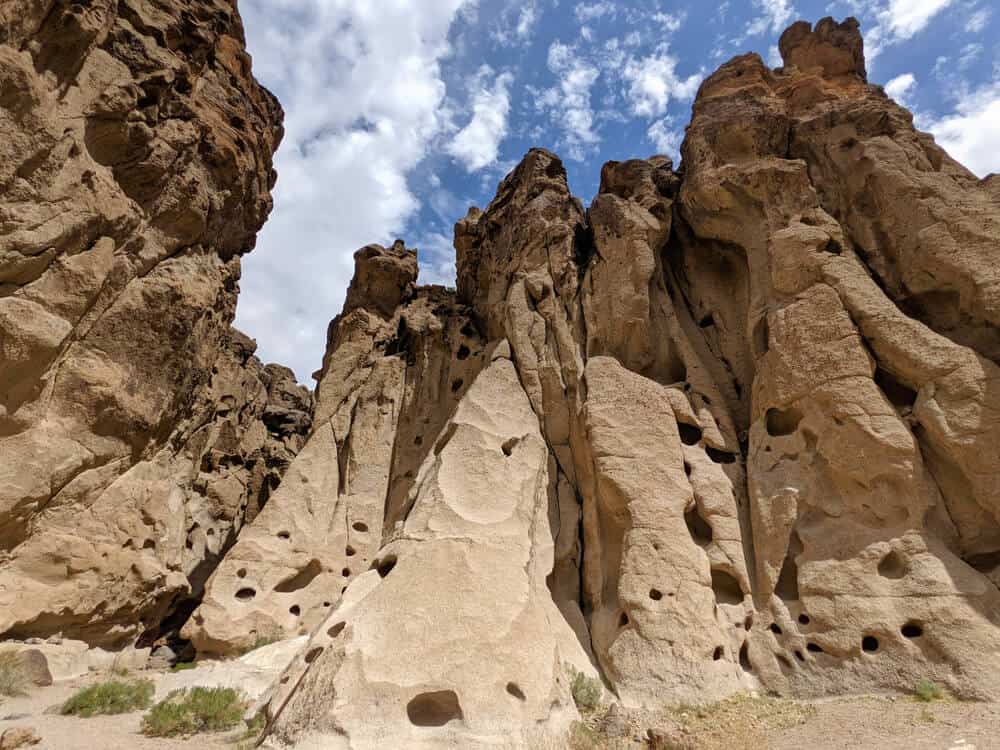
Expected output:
(733, 426)
(736, 425)
(137, 431)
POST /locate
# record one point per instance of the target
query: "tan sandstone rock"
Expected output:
(137, 431)
(734, 426)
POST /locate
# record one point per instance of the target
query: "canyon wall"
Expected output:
(734, 426)
(137, 431)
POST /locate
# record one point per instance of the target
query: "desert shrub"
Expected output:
(115, 697)
(927, 691)
(586, 691)
(181, 666)
(193, 710)
(13, 678)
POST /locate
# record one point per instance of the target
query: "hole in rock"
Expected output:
(745, 657)
(469, 330)
(301, 579)
(463, 352)
(418, 440)
(833, 247)
(346, 572)
(898, 394)
(698, 527)
(814, 647)
(284, 535)
(799, 656)
(727, 589)
(623, 620)
(434, 709)
(385, 566)
(748, 622)
(149, 544)
(284, 679)
(508, 446)
(335, 630)
(313, 653)
(775, 628)
(294, 610)
(706, 321)
(245, 595)
(241, 573)
(787, 587)
(327, 604)
(129, 544)
(655, 594)
(804, 619)
(870, 644)
(892, 566)
(690, 435)
(717, 654)
(783, 421)
(514, 690)
(912, 630)
(687, 468)
(720, 457)
(456, 385)
(359, 526)
(350, 551)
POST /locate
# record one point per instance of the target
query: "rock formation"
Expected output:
(736, 425)
(137, 431)
(740, 418)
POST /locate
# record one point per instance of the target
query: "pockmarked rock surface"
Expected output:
(137, 431)
(735, 426)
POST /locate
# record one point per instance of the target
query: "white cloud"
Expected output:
(898, 21)
(774, 16)
(904, 18)
(477, 143)
(653, 81)
(669, 22)
(362, 90)
(590, 11)
(977, 20)
(568, 102)
(970, 134)
(900, 87)
(510, 30)
(667, 138)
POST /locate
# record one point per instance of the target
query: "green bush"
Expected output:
(183, 665)
(928, 692)
(586, 691)
(13, 678)
(114, 697)
(194, 710)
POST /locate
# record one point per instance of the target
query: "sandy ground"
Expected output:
(859, 723)
(899, 724)
(39, 710)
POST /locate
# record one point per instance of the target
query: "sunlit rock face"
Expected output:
(137, 431)
(734, 426)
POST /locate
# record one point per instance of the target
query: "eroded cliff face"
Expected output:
(137, 431)
(734, 426)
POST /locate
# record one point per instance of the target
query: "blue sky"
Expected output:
(400, 114)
